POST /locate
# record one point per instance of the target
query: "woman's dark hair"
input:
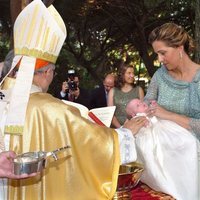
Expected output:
(120, 81)
(173, 36)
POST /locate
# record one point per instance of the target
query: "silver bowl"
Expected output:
(32, 162)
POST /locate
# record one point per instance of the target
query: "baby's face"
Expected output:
(139, 106)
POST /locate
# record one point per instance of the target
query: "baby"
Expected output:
(168, 152)
(137, 107)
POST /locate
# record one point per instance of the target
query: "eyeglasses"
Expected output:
(54, 72)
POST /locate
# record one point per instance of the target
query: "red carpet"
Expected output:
(143, 192)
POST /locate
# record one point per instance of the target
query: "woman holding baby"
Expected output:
(176, 86)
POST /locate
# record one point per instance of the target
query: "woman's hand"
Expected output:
(156, 110)
(135, 124)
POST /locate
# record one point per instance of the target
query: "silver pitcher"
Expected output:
(31, 162)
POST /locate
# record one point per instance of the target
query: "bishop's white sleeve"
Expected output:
(127, 145)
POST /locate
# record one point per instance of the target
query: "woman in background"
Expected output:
(124, 90)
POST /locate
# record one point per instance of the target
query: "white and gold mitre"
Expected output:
(39, 32)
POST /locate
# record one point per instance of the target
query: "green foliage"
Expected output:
(4, 42)
(103, 33)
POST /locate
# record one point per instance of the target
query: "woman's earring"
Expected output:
(180, 54)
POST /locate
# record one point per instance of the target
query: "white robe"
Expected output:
(169, 154)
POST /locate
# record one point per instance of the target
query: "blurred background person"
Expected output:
(124, 90)
(1, 67)
(99, 95)
(5, 66)
(71, 90)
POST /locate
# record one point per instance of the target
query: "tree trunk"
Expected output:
(197, 31)
(16, 7)
(48, 2)
(142, 48)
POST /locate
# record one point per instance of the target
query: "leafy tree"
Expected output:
(102, 33)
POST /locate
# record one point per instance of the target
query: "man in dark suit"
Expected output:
(72, 92)
(99, 95)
